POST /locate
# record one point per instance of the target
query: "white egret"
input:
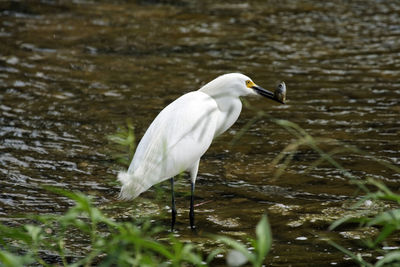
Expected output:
(183, 131)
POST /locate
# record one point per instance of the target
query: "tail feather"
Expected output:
(131, 186)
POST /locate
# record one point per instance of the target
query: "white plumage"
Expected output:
(183, 131)
(173, 143)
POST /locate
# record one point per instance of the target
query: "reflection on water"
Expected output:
(71, 72)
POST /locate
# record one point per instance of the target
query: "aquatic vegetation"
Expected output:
(125, 141)
(260, 246)
(47, 240)
(387, 220)
(329, 151)
(109, 242)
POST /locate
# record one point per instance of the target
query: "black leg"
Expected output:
(191, 212)
(173, 210)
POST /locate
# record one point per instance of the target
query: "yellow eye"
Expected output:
(249, 84)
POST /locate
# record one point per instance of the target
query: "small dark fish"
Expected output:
(280, 92)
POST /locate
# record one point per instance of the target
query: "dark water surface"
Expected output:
(72, 71)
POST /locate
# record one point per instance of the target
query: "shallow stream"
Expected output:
(72, 72)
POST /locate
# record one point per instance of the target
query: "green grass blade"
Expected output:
(390, 259)
(237, 246)
(9, 259)
(357, 258)
(264, 239)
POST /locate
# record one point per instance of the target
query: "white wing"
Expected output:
(174, 142)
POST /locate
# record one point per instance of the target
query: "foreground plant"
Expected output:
(110, 243)
(388, 221)
(45, 240)
(125, 141)
(260, 246)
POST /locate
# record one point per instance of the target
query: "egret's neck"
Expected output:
(229, 107)
(228, 101)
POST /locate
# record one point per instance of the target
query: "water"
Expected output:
(72, 72)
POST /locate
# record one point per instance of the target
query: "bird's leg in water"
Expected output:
(173, 210)
(191, 212)
(193, 175)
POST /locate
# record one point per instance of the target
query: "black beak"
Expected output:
(268, 94)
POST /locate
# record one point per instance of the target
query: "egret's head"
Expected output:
(237, 84)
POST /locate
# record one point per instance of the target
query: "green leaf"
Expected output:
(386, 231)
(237, 246)
(390, 216)
(14, 233)
(264, 238)
(339, 222)
(11, 260)
(34, 232)
(356, 257)
(213, 254)
(157, 247)
(353, 218)
(392, 257)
